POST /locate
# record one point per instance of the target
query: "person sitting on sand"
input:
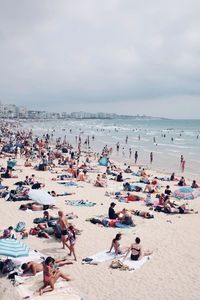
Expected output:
(128, 170)
(111, 212)
(149, 188)
(31, 268)
(182, 182)
(168, 191)
(51, 275)
(119, 177)
(149, 201)
(81, 176)
(143, 173)
(172, 177)
(125, 217)
(136, 251)
(27, 163)
(8, 233)
(116, 245)
(99, 182)
(194, 185)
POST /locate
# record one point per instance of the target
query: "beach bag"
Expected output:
(20, 227)
(7, 266)
(116, 264)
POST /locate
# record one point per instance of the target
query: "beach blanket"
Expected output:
(62, 290)
(103, 256)
(67, 183)
(85, 203)
(134, 264)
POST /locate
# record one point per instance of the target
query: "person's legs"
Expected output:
(72, 251)
(62, 275)
(63, 239)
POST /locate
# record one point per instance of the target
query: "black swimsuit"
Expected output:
(135, 256)
(64, 232)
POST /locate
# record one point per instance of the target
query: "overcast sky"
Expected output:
(121, 56)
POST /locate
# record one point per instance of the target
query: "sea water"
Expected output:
(167, 139)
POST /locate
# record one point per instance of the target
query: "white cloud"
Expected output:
(77, 53)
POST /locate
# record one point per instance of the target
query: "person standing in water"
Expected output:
(183, 165)
(136, 157)
(130, 152)
(151, 157)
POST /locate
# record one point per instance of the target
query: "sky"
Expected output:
(121, 56)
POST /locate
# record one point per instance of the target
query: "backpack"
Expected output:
(7, 266)
(20, 227)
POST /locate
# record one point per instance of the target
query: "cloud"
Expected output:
(69, 54)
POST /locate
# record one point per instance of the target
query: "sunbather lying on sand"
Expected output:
(144, 214)
(31, 268)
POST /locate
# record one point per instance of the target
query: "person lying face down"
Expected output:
(31, 268)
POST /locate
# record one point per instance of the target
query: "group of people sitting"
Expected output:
(135, 249)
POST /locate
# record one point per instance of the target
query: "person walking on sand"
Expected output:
(72, 239)
(62, 221)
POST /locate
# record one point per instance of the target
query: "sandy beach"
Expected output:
(172, 272)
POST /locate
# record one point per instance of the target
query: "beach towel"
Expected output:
(62, 290)
(134, 264)
(68, 183)
(85, 203)
(102, 256)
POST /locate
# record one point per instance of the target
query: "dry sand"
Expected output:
(173, 271)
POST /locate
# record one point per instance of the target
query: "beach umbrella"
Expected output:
(13, 248)
(103, 161)
(41, 197)
(186, 193)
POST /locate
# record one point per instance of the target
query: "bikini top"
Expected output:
(138, 250)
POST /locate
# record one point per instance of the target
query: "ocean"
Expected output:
(167, 139)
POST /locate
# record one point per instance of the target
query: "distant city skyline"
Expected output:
(124, 57)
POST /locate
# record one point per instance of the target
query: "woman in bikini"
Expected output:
(50, 276)
(72, 239)
(136, 251)
(116, 245)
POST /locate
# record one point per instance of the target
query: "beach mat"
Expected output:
(80, 203)
(103, 256)
(62, 291)
(135, 264)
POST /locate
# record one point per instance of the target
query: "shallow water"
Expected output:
(166, 152)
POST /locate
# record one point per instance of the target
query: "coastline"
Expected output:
(174, 240)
